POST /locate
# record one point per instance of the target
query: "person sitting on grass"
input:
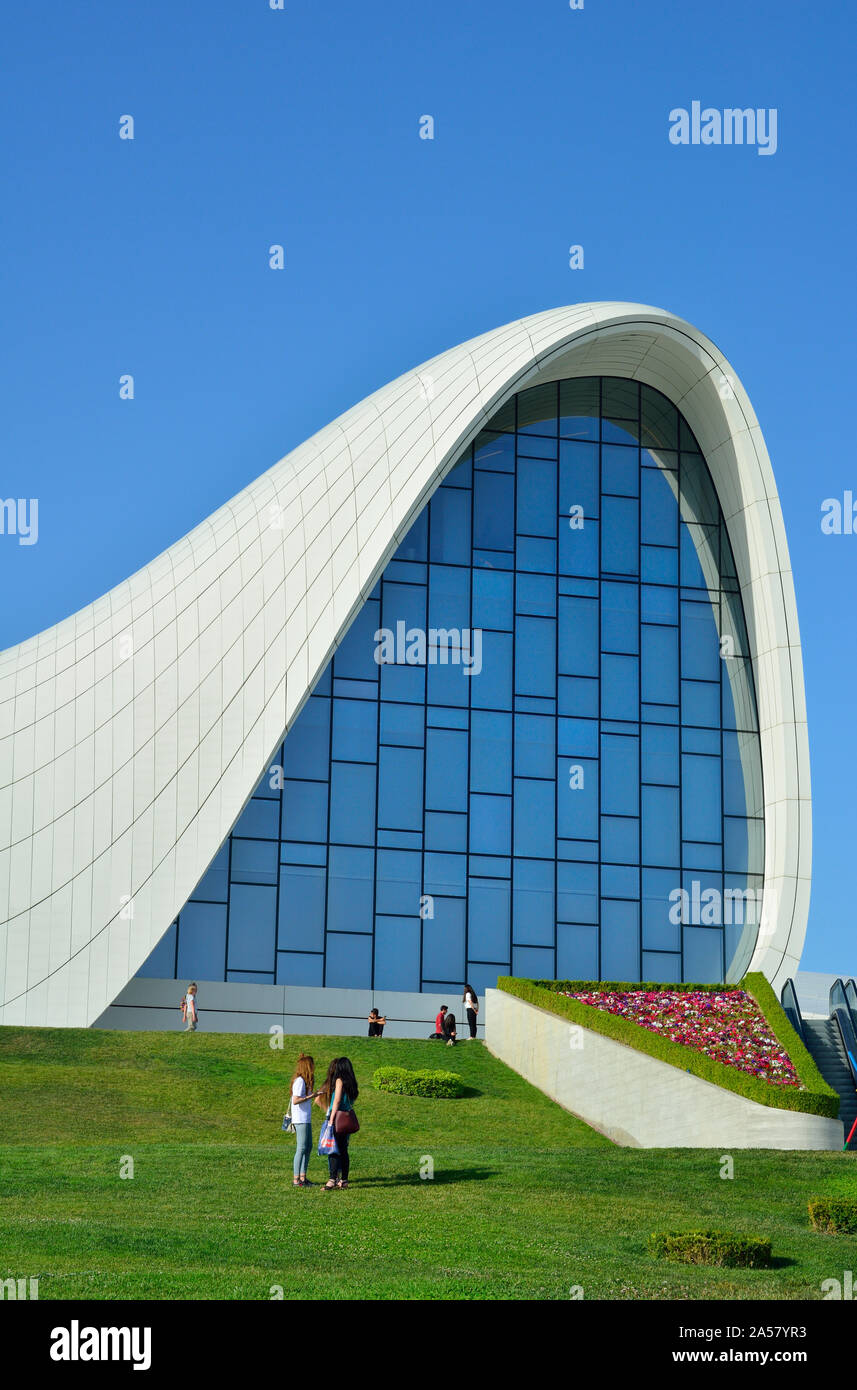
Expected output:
(449, 1029)
(338, 1093)
(376, 1024)
(438, 1023)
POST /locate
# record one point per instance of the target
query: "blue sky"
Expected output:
(300, 127)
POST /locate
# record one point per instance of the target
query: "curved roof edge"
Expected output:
(133, 733)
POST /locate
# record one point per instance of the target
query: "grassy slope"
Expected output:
(525, 1202)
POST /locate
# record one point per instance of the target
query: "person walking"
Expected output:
(190, 1010)
(337, 1097)
(301, 1111)
(471, 1004)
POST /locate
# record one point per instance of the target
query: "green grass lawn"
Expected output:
(526, 1201)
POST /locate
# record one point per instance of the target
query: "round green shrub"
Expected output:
(444, 1084)
(712, 1248)
(834, 1215)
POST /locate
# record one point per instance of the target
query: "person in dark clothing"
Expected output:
(376, 1024)
(449, 1029)
(338, 1093)
(470, 1000)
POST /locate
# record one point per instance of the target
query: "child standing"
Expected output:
(190, 1012)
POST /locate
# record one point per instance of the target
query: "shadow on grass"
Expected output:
(443, 1175)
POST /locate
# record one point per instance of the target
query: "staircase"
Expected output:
(824, 1042)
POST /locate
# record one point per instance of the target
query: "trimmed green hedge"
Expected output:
(814, 1097)
(447, 1085)
(834, 1215)
(712, 1248)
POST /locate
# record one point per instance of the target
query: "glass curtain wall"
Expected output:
(536, 751)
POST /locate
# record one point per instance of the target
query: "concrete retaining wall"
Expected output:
(234, 1007)
(634, 1099)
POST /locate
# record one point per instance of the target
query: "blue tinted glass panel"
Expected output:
(659, 665)
(619, 535)
(449, 527)
(535, 670)
(446, 770)
(255, 861)
(491, 752)
(535, 822)
(492, 687)
(620, 470)
(620, 695)
(533, 897)
(446, 874)
(577, 953)
(620, 775)
(493, 511)
(443, 940)
(620, 617)
(536, 498)
(660, 754)
(489, 901)
(400, 787)
(620, 940)
(160, 964)
(356, 655)
(296, 968)
(252, 927)
(577, 798)
(402, 724)
(355, 730)
(397, 953)
(305, 810)
(578, 637)
(306, 753)
(535, 751)
(492, 599)
(303, 890)
(352, 804)
(350, 889)
(202, 942)
(398, 877)
(661, 831)
(701, 819)
(260, 819)
(490, 825)
(349, 962)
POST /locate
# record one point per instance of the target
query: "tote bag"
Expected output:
(327, 1144)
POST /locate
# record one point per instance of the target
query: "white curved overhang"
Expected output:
(133, 733)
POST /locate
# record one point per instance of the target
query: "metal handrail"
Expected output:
(840, 1009)
(851, 998)
(791, 1008)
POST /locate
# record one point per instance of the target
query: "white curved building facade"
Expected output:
(133, 734)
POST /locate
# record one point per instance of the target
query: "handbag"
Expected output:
(288, 1123)
(327, 1144)
(349, 1122)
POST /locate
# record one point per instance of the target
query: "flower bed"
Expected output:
(726, 1025)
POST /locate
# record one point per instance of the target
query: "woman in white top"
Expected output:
(301, 1111)
(471, 1004)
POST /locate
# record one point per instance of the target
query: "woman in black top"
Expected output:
(449, 1029)
(470, 999)
(338, 1093)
